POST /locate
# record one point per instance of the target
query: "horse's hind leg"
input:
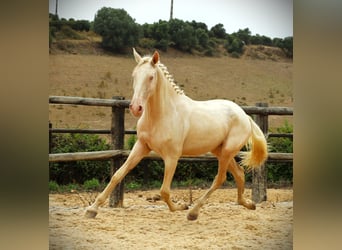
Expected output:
(238, 173)
(219, 179)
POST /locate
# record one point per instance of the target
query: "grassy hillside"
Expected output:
(82, 68)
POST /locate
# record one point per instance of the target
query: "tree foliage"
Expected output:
(183, 35)
(234, 45)
(281, 171)
(57, 24)
(287, 46)
(117, 28)
(218, 31)
(120, 32)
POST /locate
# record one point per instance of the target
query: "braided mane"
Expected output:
(167, 74)
(170, 78)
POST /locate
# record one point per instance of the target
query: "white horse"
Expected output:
(172, 125)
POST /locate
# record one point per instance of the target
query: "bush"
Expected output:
(68, 32)
(234, 44)
(147, 173)
(117, 28)
(53, 186)
(131, 141)
(218, 31)
(235, 54)
(147, 43)
(92, 184)
(78, 171)
(182, 35)
(281, 172)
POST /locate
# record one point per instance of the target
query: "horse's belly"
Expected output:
(198, 149)
(200, 143)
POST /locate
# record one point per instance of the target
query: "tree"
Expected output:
(199, 25)
(288, 46)
(244, 35)
(218, 31)
(234, 45)
(117, 28)
(160, 33)
(203, 38)
(256, 40)
(182, 35)
(277, 42)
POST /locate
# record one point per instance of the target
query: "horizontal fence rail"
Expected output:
(108, 154)
(87, 131)
(88, 101)
(125, 104)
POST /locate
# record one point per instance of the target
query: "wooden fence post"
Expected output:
(50, 143)
(259, 176)
(50, 138)
(117, 134)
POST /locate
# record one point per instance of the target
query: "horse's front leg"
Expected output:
(169, 171)
(138, 152)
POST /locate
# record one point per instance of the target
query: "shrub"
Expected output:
(117, 28)
(92, 184)
(148, 173)
(133, 185)
(68, 32)
(147, 43)
(53, 186)
(234, 44)
(182, 35)
(78, 171)
(279, 172)
(131, 141)
(235, 54)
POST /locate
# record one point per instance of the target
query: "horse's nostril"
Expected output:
(140, 108)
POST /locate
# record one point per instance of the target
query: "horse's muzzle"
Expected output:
(136, 110)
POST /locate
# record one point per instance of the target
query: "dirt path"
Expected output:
(144, 224)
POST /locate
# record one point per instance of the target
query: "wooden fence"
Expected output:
(118, 154)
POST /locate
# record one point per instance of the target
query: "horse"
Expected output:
(173, 125)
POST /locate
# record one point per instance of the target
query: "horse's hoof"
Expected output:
(184, 207)
(90, 214)
(192, 216)
(248, 204)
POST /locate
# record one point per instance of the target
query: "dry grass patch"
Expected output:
(243, 81)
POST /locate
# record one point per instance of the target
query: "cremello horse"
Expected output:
(172, 125)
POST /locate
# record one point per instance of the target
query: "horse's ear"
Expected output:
(155, 58)
(137, 57)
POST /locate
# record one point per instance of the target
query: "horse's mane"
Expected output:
(166, 73)
(170, 78)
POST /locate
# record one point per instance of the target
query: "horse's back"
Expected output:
(218, 109)
(210, 123)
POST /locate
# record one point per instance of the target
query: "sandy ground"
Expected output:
(147, 224)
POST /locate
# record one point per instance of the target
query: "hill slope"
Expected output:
(82, 68)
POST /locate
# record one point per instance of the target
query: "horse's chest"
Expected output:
(156, 138)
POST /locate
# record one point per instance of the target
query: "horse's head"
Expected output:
(144, 81)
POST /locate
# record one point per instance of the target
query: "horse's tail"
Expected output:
(257, 146)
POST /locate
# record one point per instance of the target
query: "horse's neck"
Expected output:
(163, 101)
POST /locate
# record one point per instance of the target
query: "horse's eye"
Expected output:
(151, 78)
